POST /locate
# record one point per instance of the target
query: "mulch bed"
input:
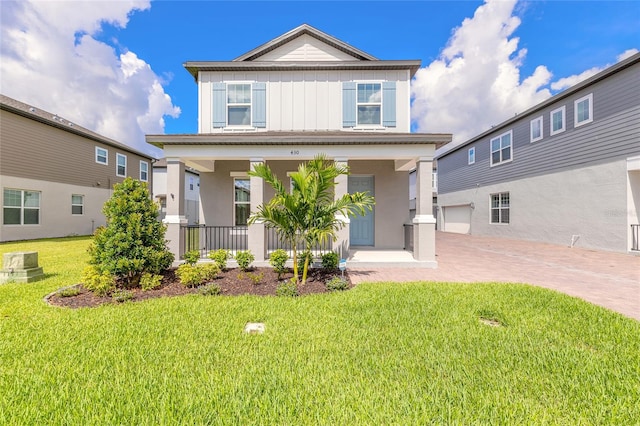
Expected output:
(232, 282)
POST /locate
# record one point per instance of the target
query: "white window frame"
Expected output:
(145, 164)
(22, 207)
(576, 122)
(358, 104)
(540, 122)
(81, 204)
(106, 156)
(235, 202)
(118, 157)
(499, 137)
(500, 208)
(471, 156)
(250, 104)
(562, 110)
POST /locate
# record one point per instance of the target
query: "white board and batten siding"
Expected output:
(305, 48)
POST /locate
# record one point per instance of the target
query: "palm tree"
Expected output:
(308, 214)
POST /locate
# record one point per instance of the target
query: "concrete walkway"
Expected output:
(607, 279)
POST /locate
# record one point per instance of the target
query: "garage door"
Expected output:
(457, 219)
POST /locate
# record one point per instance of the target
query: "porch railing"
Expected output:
(408, 236)
(211, 238)
(635, 237)
(274, 242)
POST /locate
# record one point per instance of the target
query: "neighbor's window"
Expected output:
(583, 110)
(536, 129)
(144, 171)
(77, 204)
(501, 148)
(121, 165)
(471, 157)
(369, 103)
(500, 208)
(557, 120)
(239, 104)
(242, 201)
(102, 156)
(21, 207)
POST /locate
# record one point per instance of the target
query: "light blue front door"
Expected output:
(361, 228)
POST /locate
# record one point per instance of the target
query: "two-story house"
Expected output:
(55, 175)
(566, 171)
(298, 95)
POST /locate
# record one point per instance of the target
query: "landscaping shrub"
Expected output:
(194, 275)
(209, 271)
(337, 284)
(287, 289)
(133, 241)
(192, 257)
(69, 292)
(211, 289)
(302, 257)
(120, 296)
(150, 281)
(330, 260)
(220, 257)
(245, 259)
(278, 259)
(100, 282)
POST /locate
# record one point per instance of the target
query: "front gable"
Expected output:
(305, 48)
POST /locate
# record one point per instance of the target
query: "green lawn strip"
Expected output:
(384, 353)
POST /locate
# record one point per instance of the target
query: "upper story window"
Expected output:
(77, 204)
(144, 171)
(471, 155)
(501, 148)
(241, 201)
(239, 105)
(557, 120)
(369, 104)
(121, 165)
(583, 110)
(21, 207)
(536, 129)
(102, 155)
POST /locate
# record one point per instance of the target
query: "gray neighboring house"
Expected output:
(55, 175)
(566, 171)
(191, 191)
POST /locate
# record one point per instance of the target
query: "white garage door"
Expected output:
(457, 219)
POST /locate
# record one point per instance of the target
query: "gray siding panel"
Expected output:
(614, 134)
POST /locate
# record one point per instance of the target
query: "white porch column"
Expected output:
(424, 224)
(341, 245)
(255, 232)
(175, 207)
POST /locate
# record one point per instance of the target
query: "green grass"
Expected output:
(378, 354)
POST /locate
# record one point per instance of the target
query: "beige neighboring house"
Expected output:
(55, 175)
(298, 95)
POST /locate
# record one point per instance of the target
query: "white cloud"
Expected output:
(475, 83)
(50, 59)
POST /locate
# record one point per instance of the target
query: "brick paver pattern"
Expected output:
(604, 278)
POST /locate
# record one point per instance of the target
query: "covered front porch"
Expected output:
(379, 163)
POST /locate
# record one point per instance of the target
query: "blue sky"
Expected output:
(116, 67)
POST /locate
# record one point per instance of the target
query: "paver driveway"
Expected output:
(607, 279)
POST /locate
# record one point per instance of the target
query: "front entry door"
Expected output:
(361, 228)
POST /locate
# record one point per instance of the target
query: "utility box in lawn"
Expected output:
(20, 267)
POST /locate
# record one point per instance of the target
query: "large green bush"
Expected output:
(133, 241)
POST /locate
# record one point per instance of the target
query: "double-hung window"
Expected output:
(144, 171)
(471, 155)
(369, 104)
(536, 129)
(239, 104)
(500, 208)
(557, 121)
(102, 156)
(501, 148)
(77, 204)
(242, 201)
(583, 110)
(21, 207)
(121, 165)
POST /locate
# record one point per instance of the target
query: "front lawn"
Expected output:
(378, 354)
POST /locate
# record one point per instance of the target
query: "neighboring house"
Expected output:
(296, 96)
(566, 171)
(191, 191)
(55, 175)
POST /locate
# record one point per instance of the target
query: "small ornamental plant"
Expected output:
(220, 257)
(192, 257)
(337, 284)
(287, 288)
(245, 259)
(330, 260)
(150, 281)
(278, 259)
